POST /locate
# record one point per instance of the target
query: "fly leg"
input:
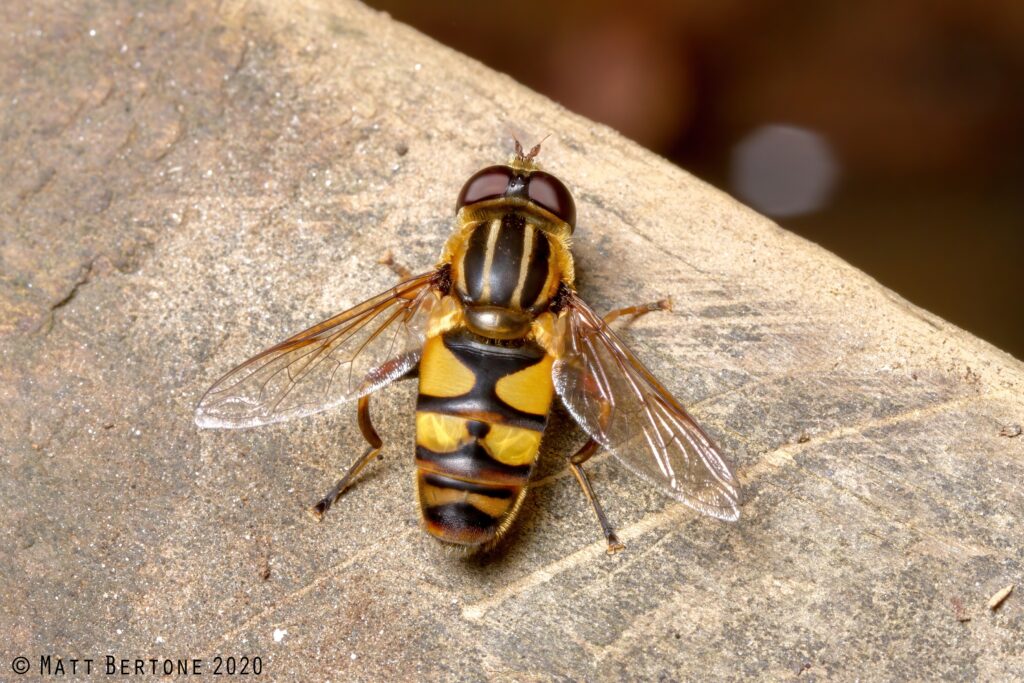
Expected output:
(576, 464)
(369, 433)
(371, 452)
(636, 311)
(399, 269)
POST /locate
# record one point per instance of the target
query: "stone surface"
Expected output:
(186, 183)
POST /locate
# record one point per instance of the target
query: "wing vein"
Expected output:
(627, 410)
(300, 375)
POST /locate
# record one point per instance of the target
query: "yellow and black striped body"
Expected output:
(485, 371)
(485, 383)
(480, 414)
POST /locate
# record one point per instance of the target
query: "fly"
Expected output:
(494, 332)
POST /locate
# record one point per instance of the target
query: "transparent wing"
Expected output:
(625, 409)
(350, 355)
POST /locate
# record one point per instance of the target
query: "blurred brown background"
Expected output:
(890, 133)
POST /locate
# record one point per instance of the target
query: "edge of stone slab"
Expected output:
(982, 351)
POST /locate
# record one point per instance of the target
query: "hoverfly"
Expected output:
(493, 333)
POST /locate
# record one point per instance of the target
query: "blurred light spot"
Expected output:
(784, 170)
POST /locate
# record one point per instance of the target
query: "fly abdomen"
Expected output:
(468, 482)
(480, 415)
(470, 460)
(464, 512)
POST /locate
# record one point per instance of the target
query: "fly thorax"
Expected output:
(505, 276)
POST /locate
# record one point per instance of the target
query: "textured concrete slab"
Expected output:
(185, 183)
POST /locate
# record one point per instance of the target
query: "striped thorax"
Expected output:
(505, 275)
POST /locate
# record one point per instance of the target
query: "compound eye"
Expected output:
(548, 191)
(489, 183)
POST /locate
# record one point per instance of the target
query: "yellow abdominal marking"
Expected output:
(445, 433)
(441, 373)
(440, 433)
(528, 390)
(512, 445)
(433, 495)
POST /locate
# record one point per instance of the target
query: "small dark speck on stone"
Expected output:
(1010, 431)
(803, 438)
(108, 425)
(402, 149)
(958, 610)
